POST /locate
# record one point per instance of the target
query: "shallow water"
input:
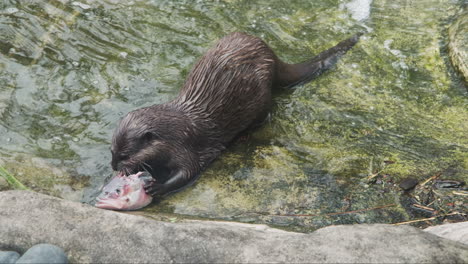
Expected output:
(392, 106)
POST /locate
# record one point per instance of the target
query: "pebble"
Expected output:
(408, 183)
(43, 253)
(8, 257)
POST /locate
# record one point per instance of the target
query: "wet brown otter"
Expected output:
(227, 91)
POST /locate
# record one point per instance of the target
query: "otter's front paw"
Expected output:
(154, 189)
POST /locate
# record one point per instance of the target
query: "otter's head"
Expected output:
(145, 139)
(132, 141)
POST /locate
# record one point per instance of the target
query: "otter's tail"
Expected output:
(294, 74)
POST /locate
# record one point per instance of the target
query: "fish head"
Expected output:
(124, 193)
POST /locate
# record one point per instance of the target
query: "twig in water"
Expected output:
(427, 219)
(424, 207)
(437, 175)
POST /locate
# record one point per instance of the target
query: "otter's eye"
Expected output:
(149, 136)
(117, 191)
(123, 157)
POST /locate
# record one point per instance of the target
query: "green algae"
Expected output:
(36, 174)
(11, 180)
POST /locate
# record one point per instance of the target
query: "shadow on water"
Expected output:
(391, 108)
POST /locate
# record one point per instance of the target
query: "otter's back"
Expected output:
(231, 84)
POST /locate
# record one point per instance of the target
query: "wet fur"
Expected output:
(227, 91)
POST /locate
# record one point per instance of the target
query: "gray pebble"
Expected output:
(8, 257)
(43, 253)
(408, 183)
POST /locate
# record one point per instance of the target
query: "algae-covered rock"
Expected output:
(458, 43)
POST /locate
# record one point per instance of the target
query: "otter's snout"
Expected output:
(115, 166)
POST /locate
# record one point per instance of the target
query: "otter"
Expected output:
(228, 91)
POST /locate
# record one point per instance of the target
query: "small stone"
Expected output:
(408, 183)
(43, 253)
(7, 257)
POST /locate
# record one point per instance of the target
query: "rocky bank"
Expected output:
(88, 234)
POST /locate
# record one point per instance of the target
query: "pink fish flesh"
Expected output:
(125, 192)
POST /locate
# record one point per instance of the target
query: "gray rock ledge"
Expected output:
(456, 231)
(88, 234)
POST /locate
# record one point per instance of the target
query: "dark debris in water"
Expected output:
(436, 200)
(408, 184)
(448, 184)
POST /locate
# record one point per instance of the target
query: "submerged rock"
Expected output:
(458, 43)
(89, 234)
(9, 257)
(43, 253)
(408, 183)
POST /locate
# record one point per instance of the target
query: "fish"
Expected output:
(125, 193)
